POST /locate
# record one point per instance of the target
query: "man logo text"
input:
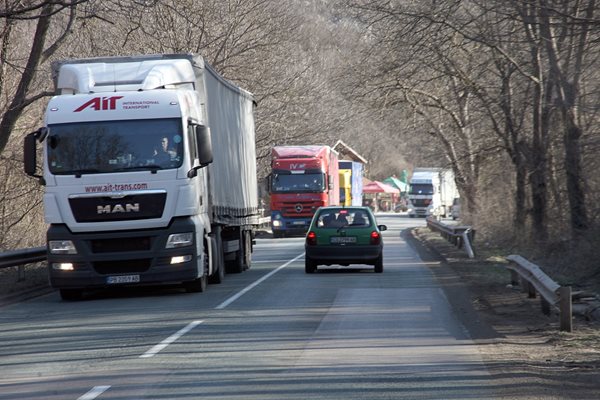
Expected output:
(118, 208)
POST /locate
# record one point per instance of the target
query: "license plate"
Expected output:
(112, 280)
(343, 239)
(299, 223)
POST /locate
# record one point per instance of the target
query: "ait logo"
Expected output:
(100, 103)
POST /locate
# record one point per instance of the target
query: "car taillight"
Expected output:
(311, 238)
(375, 237)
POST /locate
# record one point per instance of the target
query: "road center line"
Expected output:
(94, 392)
(154, 350)
(256, 283)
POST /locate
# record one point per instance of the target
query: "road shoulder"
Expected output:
(515, 339)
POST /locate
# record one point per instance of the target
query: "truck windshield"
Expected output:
(293, 183)
(421, 188)
(114, 146)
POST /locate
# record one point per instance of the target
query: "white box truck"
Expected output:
(149, 171)
(431, 192)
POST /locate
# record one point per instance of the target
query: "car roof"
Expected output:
(363, 208)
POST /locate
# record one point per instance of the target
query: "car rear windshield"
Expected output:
(336, 218)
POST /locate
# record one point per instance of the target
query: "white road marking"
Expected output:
(153, 351)
(253, 285)
(94, 392)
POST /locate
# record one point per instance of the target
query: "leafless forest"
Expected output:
(502, 91)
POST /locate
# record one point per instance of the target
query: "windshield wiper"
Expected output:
(152, 167)
(79, 172)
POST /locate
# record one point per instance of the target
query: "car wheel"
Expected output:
(310, 266)
(379, 264)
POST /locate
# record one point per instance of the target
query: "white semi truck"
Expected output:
(431, 192)
(149, 171)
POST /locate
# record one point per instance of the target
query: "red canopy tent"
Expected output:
(388, 195)
(379, 187)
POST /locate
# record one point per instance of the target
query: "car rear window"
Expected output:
(336, 218)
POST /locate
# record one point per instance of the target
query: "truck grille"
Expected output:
(298, 209)
(107, 208)
(120, 245)
(122, 267)
(421, 202)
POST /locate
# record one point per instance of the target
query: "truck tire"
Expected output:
(243, 256)
(247, 249)
(219, 274)
(71, 294)
(198, 285)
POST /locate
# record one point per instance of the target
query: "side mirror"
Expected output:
(269, 182)
(204, 143)
(382, 227)
(30, 154)
(330, 181)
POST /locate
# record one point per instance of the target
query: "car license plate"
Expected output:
(298, 223)
(343, 239)
(112, 280)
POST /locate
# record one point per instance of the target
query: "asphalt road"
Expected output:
(272, 332)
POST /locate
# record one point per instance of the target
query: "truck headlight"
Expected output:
(276, 223)
(61, 247)
(177, 240)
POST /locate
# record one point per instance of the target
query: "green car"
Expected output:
(344, 235)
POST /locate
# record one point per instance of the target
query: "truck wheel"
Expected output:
(247, 250)
(379, 264)
(71, 294)
(310, 266)
(237, 265)
(197, 285)
(219, 274)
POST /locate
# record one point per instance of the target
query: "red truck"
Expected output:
(303, 178)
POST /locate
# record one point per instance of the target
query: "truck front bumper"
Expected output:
(108, 259)
(297, 226)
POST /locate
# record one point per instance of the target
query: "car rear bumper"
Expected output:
(344, 254)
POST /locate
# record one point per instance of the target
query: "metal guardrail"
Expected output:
(15, 258)
(460, 236)
(18, 258)
(531, 278)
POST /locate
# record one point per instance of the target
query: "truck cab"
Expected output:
(130, 194)
(303, 178)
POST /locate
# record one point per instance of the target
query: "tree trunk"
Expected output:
(18, 103)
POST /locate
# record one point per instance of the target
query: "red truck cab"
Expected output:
(303, 178)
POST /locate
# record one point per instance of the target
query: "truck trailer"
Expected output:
(356, 181)
(431, 192)
(149, 168)
(303, 178)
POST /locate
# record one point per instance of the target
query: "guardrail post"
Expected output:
(566, 309)
(20, 273)
(514, 278)
(531, 291)
(545, 306)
